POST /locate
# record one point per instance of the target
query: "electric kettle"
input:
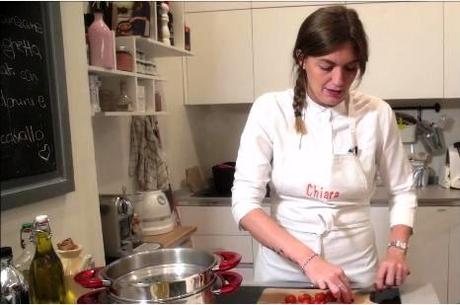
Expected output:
(154, 211)
(454, 165)
(450, 176)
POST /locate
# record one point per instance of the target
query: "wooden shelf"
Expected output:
(129, 113)
(172, 239)
(113, 72)
(159, 49)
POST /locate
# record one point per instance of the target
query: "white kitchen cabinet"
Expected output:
(429, 247)
(454, 257)
(452, 50)
(381, 222)
(221, 72)
(275, 32)
(428, 254)
(208, 6)
(216, 230)
(405, 49)
(269, 4)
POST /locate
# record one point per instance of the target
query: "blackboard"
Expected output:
(36, 161)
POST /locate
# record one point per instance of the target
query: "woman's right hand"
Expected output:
(329, 276)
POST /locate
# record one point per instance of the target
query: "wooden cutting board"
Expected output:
(276, 295)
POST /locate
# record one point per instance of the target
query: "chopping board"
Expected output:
(277, 295)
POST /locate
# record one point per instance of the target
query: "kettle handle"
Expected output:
(90, 278)
(228, 260)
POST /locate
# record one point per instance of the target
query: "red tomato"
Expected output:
(290, 299)
(305, 298)
(320, 298)
(330, 297)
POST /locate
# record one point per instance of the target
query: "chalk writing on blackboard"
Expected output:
(26, 134)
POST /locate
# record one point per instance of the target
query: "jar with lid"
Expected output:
(23, 262)
(140, 67)
(125, 60)
(14, 289)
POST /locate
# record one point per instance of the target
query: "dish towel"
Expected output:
(146, 159)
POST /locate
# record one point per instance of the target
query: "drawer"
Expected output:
(247, 272)
(239, 244)
(212, 220)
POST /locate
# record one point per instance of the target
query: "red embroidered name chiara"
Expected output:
(317, 192)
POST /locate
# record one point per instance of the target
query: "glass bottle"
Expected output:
(22, 263)
(124, 103)
(46, 275)
(14, 289)
(101, 42)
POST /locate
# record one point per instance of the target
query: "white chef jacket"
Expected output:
(269, 150)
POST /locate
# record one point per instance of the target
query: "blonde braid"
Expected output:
(299, 101)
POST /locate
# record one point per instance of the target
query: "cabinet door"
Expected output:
(452, 50)
(221, 70)
(405, 49)
(206, 6)
(381, 223)
(454, 257)
(215, 220)
(429, 249)
(275, 32)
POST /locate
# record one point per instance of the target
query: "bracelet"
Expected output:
(305, 263)
(398, 244)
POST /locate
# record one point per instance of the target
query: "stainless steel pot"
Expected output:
(164, 275)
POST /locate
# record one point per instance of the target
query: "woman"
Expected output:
(320, 146)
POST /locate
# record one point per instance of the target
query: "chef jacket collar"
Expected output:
(339, 109)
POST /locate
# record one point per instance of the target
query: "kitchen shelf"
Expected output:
(159, 49)
(129, 113)
(116, 73)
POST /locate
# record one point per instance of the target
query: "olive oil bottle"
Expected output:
(46, 274)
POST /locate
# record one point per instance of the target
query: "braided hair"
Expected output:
(321, 33)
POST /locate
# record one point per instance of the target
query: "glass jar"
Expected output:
(140, 67)
(125, 60)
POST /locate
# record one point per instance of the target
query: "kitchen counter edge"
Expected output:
(432, 195)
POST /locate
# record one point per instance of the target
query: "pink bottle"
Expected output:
(101, 43)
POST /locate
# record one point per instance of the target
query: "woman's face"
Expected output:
(329, 77)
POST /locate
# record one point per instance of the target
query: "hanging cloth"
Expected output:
(146, 159)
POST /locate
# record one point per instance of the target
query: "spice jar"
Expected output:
(124, 59)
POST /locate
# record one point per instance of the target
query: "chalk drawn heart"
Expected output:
(45, 153)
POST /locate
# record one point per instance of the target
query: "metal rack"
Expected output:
(436, 107)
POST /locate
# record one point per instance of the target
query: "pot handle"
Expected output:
(231, 282)
(89, 278)
(228, 260)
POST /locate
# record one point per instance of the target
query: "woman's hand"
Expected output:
(393, 270)
(329, 276)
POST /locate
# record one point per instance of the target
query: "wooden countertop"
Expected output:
(172, 239)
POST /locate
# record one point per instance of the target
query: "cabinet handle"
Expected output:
(441, 210)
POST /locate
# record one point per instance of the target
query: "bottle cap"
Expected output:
(27, 225)
(42, 223)
(6, 252)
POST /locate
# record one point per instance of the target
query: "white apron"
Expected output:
(324, 202)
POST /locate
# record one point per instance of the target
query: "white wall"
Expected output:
(75, 214)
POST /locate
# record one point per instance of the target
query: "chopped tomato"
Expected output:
(290, 299)
(330, 297)
(305, 298)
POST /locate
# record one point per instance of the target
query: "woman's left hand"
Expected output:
(393, 270)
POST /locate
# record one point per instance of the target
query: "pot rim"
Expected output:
(103, 273)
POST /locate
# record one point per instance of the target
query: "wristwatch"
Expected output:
(398, 245)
